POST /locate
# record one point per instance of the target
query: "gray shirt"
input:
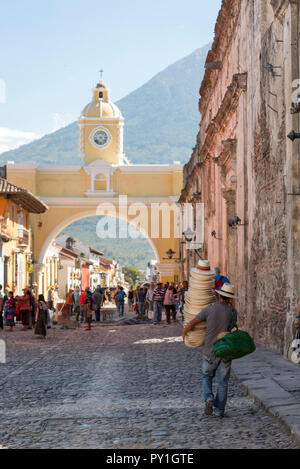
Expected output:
(98, 298)
(217, 317)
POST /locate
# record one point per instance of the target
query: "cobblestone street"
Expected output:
(132, 386)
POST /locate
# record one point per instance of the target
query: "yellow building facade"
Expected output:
(16, 261)
(105, 184)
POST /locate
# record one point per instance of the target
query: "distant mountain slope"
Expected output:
(161, 120)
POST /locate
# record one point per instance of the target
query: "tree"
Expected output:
(132, 274)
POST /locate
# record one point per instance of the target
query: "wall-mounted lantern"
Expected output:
(236, 222)
(293, 135)
(170, 253)
(189, 235)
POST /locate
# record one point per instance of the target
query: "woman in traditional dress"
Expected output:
(136, 300)
(9, 311)
(41, 318)
(70, 301)
(89, 310)
(24, 309)
(130, 299)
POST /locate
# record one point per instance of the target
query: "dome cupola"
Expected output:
(101, 129)
(101, 106)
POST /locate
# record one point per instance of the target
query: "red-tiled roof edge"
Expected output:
(25, 198)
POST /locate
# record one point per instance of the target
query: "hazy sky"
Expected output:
(51, 52)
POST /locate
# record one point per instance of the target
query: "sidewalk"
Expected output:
(274, 383)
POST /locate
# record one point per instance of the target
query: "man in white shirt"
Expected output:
(149, 297)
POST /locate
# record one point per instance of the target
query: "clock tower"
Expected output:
(101, 129)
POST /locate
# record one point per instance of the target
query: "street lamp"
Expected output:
(170, 253)
(189, 235)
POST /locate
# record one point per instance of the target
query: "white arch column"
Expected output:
(39, 270)
(99, 167)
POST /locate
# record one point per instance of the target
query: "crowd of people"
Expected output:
(151, 298)
(31, 312)
(146, 300)
(85, 305)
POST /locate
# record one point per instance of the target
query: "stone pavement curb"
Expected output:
(273, 383)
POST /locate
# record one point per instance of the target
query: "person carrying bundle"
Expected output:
(219, 316)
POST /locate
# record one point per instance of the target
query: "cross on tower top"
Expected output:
(101, 74)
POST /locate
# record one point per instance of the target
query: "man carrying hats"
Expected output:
(219, 317)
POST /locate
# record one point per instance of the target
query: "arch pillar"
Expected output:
(39, 272)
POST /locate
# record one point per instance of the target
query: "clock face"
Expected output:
(100, 138)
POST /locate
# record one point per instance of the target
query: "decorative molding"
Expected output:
(226, 110)
(84, 124)
(229, 195)
(98, 164)
(226, 23)
(138, 169)
(108, 120)
(99, 194)
(227, 160)
(130, 169)
(20, 167)
(83, 202)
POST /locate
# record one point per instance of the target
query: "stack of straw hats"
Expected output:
(199, 296)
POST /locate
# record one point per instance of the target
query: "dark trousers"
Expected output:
(169, 309)
(120, 305)
(77, 312)
(97, 314)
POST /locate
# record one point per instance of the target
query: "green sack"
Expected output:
(234, 345)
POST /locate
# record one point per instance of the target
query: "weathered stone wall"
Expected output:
(248, 166)
(268, 251)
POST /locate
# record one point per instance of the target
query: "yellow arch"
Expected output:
(79, 216)
(71, 195)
